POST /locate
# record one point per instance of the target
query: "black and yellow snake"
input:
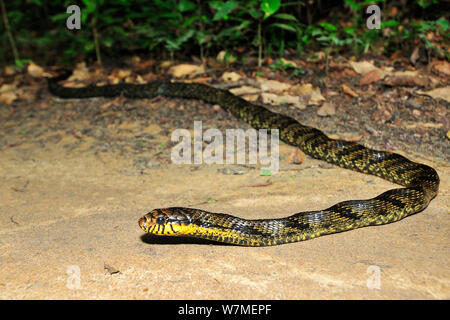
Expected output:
(420, 182)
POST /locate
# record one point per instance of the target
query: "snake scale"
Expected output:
(420, 182)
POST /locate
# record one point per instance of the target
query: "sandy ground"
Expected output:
(68, 230)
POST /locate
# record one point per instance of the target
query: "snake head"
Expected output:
(168, 221)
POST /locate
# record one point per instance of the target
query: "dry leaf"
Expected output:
(135, 60)
(111, 270)
(369, 77)
(363, 67)
(123, 73)
(349, 91)
(316, 97)
(313, 95)
(354, 139)
(245, 90)
(292, 63)
(139, 79)
(348, 72)
(296, 157)
(274, 99)
(441, 67)
(423, 125)
(183, 70)
(36, 71)
(231, 76)
(250, 97)
(327, 109)
(346, 136)
(80, 73)
(165, 64)
(316, 57)
(441, 93)
(106, 105)
(393, 12)
(9, 71)
(406, 79)
(273, 85)
(415, 55)
(221, 56)
(8, 93)
(27, 93)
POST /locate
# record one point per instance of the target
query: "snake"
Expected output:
(420, 182)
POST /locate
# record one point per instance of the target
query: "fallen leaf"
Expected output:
(415, 55)
(80, 73)
(274, 99)
(312, 95)
(106, 105)
(231, 76)
(245, 90)
(250, 97)
(8, 93)
(11, 145)
(316, 57)
(348, 72)
(296, 157)
(441, 93)
(441, 67)
(354, 139)
(222, 56)
(111, 270)
(393, 12)
(183, 70)
(139, 79)
(316, 97)
(36, 71)
(28, 93)
(331, 93)
(123, 73)
(327, 109)
(145, 64)
(273, 85)
(77, 133)
(369, 77)
(9, 71)
(423, 125)
(362, 67)
(346, 136)
(406, 78)
(292, 63)
(165, 64)
(260, 185)
(349, 91)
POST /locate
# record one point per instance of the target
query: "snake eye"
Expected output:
(160, 220)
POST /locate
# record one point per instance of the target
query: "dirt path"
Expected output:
(76, 176)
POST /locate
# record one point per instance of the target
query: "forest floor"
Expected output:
(76, 176)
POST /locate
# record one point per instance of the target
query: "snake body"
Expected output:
(420, 182)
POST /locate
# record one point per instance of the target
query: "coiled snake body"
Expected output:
(420, 182)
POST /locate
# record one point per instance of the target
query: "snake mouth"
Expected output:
(143, 224)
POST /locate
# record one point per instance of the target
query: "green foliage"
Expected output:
(192, 27)
(284, 67)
